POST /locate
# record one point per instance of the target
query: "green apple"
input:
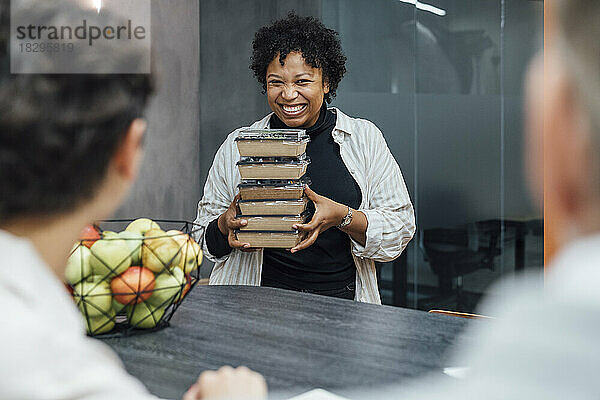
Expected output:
(93, 296)
(78, 264)
(158, 256)
(134, 240)
(101, 324)
(141, 225)
(166, 286)
(144, 316)
(118, 307)
(110, 257)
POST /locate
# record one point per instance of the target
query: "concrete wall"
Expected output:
(169, 182)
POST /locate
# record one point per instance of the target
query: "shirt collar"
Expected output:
(343, 122)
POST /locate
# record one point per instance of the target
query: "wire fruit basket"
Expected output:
(129, 276)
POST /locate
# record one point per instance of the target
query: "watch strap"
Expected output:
(347, 219)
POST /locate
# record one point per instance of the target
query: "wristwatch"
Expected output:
(347, 219)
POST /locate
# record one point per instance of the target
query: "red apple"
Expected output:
(89, 235)
(133, 286)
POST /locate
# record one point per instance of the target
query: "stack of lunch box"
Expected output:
(273, 165)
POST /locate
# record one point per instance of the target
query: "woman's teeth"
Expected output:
(293, 110)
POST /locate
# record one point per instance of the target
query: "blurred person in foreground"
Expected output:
(70, 148)
(543, 343)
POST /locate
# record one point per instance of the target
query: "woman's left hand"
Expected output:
(328, 213)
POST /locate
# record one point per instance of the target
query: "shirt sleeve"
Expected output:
(217, 243)
(219, 192)
(389, 212)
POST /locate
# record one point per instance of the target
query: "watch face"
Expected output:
(347, 219)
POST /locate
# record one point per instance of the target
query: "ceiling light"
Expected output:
(426, 7)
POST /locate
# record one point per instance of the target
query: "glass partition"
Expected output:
(443, 79)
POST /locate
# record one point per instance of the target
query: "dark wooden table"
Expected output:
(297, 341)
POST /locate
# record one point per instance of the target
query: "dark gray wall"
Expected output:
(169, 181)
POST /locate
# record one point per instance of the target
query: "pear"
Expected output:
(160, 251)
(141, 225)
(166, 286)
(144, 316)
(110, 257)
(154, 237)
(93, 297)
(190, 250)
(78, 264)
(101, 324)
(109, 234)
(199, 254)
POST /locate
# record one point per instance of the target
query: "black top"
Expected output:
(328, 263)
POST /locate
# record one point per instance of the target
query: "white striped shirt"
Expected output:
(385, 203)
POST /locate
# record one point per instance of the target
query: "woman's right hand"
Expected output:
(228, 223)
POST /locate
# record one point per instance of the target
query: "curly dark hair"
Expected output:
(58, 132)
(319, 45)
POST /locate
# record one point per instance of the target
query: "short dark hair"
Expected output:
(319, 45)
(58, 132)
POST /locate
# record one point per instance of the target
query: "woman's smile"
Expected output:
(292, 111)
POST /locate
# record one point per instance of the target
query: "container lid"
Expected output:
(297, 135)
(280, 183)
(296, 232)
(300, 160)
(282, 216)
(302, 200)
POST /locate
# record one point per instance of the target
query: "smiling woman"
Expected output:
(295, 90)
(362, 210)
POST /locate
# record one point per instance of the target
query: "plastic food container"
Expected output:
(272, 189)
(273, 167)
(272, 222)
(272, 142)
(276, 240)
(272, 207)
